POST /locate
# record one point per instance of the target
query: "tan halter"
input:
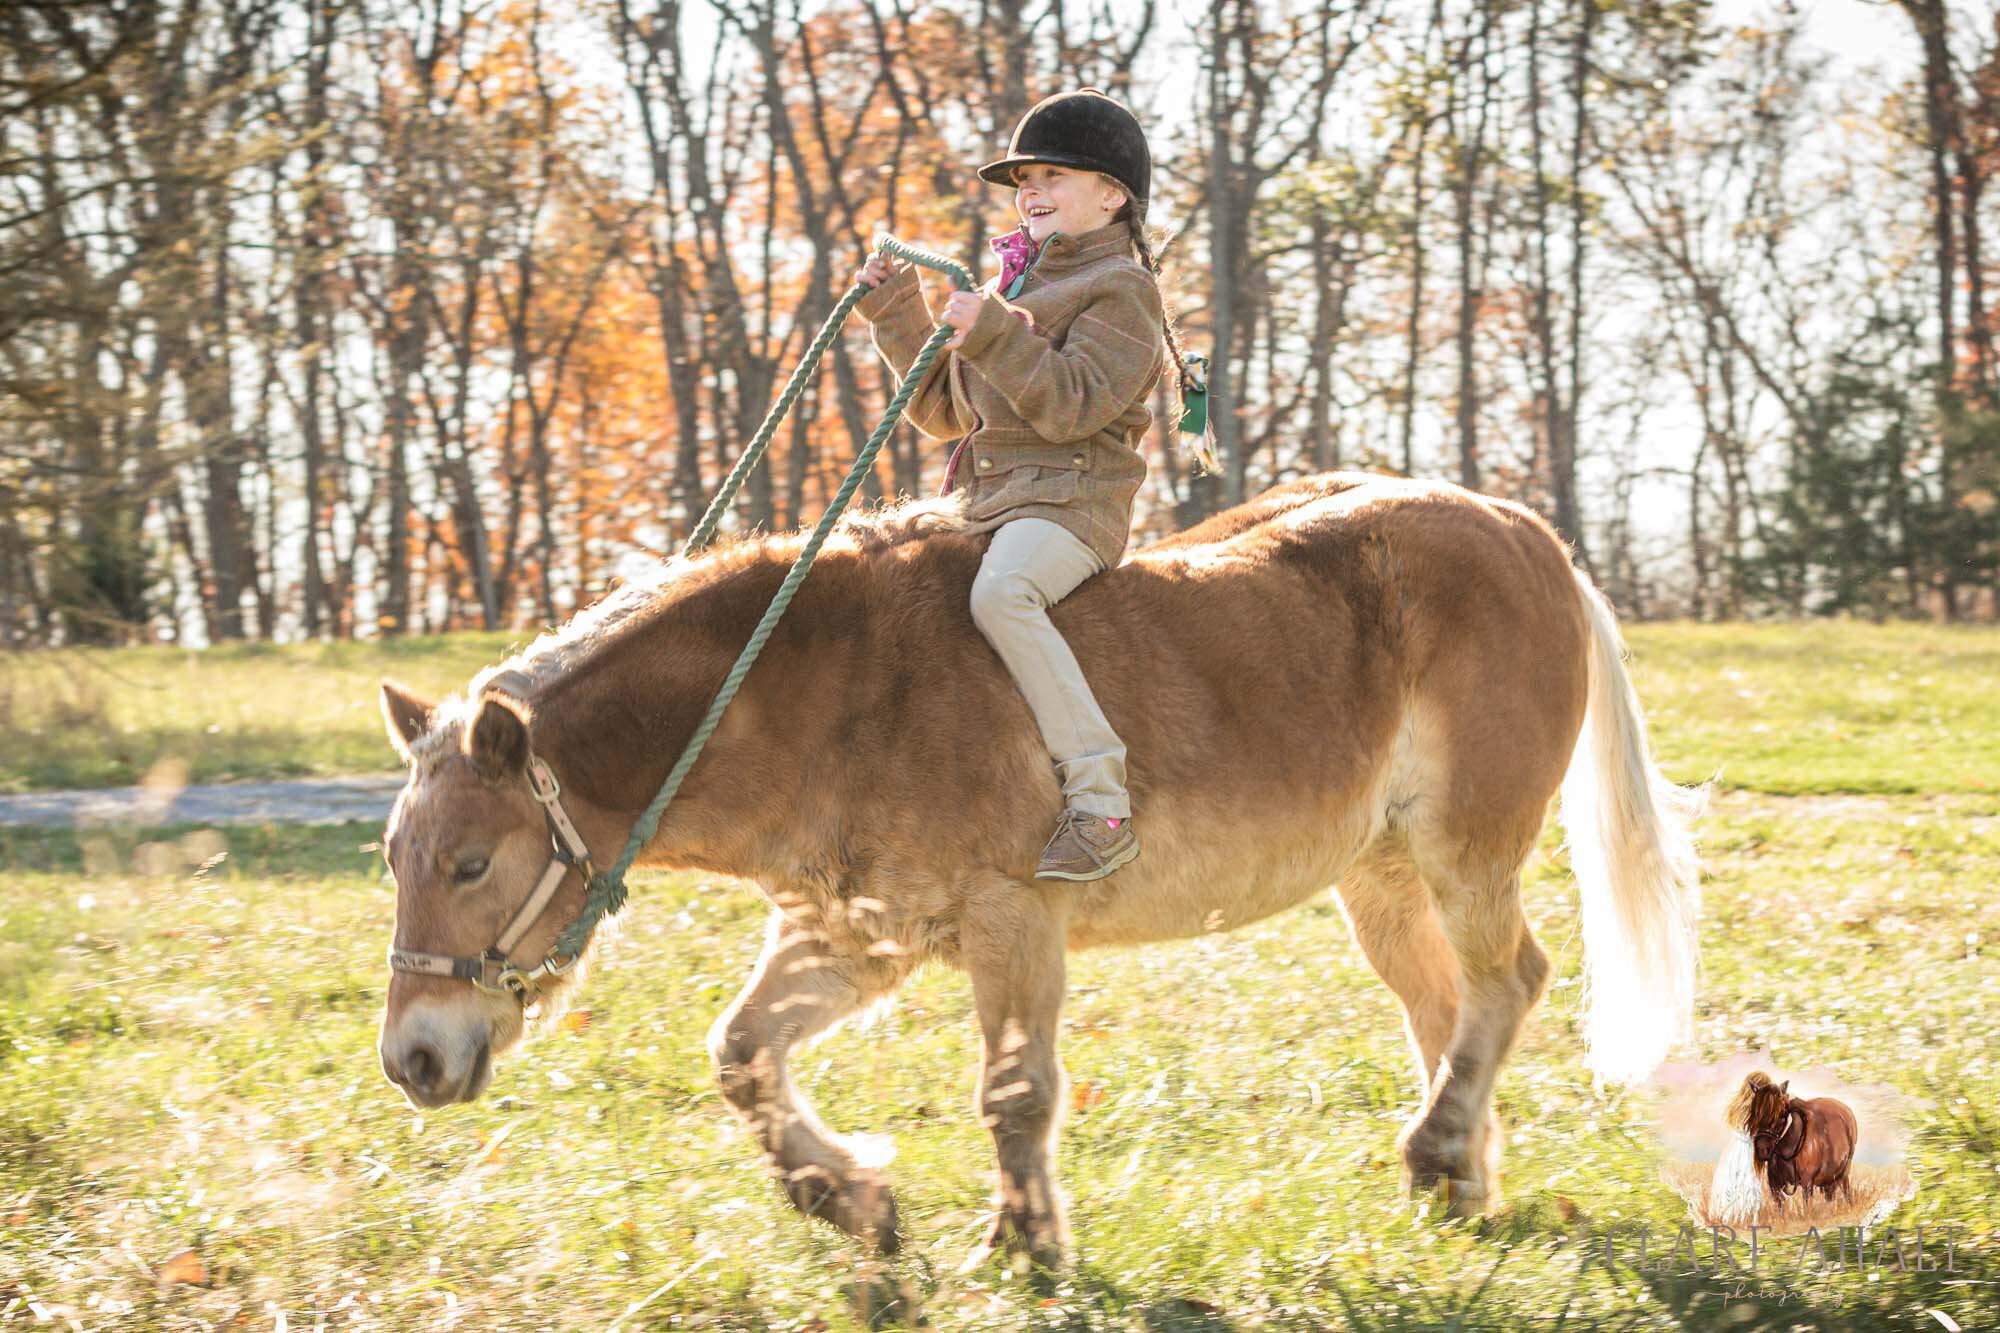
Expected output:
(491, 971)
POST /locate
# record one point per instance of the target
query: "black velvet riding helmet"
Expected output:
(1085, 130)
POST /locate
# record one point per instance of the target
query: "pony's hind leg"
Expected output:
(799, 990)
(1502, 973)
(1389, 911)
(1011, 943)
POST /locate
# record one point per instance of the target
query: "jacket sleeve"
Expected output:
(902, 325)
(1106, 364)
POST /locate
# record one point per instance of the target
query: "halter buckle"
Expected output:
(506, 980)
(542, 782)
(524, 984)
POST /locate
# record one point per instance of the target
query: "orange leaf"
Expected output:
(1086, 1094)
(184, 1269)
(576, 1020)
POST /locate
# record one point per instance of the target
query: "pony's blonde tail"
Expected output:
(1635, 863)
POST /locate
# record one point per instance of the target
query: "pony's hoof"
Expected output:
(861, 1204)
(1467, 1199)
(1022, 1253)
(1443, 1165)
(1457, 1196)
(869, 1208)
(1430, 1157)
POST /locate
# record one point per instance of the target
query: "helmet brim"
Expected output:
(1002, 172)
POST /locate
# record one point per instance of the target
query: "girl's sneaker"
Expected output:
(1087, 846)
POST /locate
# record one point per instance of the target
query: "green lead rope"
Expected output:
(607, 887)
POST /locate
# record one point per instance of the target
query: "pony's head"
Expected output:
(1759, 1105)
(468, 844)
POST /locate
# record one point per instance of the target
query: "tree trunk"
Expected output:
(1325, 454)
(223, 523)
(1224, 274)
(1471, 296)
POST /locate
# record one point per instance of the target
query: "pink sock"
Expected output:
(1114, 823)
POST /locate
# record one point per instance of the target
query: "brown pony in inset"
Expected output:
(1803, 1144)
(1353, 680)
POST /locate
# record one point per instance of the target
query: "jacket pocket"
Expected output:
(1028, 484)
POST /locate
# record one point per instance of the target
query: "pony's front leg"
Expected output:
(1012, 943)
(799, 990)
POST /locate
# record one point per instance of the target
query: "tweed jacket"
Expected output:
(1049, 390)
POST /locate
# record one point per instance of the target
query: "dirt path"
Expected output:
(319, 801)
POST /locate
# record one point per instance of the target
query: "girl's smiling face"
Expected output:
(1054, 199)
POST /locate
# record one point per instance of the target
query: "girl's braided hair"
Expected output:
(1152, 263)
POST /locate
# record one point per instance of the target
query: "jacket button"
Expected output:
(1076, 460)
(985, 465)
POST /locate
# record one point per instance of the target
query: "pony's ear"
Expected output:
(404, 716)
(498, 741)
(1785, 1087)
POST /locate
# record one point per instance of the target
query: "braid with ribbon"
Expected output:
(1191, 381)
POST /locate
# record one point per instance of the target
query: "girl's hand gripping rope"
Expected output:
(879, 269)
(961, 311)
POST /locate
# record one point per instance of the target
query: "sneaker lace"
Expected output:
(1085, 824)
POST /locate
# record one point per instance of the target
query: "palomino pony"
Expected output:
(1351, 680)
(1803, 1143)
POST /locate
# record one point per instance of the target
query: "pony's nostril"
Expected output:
(422, 1069)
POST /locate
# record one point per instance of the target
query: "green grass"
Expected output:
(1824, 706)
(186, 1054)
(1820, 707)
(186, 1063)
(107, 717)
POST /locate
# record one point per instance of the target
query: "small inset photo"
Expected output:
(1750, 1144)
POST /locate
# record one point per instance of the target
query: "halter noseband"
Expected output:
(491, 971)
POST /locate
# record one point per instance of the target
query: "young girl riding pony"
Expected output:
(1047, 381)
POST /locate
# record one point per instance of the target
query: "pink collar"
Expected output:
(1016, 250)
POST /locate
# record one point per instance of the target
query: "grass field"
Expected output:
(193, 1131)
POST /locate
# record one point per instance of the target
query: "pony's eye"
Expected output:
(465, 872)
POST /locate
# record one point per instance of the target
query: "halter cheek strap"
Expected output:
(491, 971)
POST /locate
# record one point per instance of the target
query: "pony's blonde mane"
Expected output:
(526, 673)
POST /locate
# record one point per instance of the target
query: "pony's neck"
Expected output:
(617, 719)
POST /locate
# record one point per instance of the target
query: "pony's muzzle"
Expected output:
(427, 1078)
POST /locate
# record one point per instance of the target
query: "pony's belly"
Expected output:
(1178, 889)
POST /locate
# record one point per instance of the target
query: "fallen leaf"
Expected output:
(493, 1146)
(576, 1020)
(184, 1269)
(1086, 1094)
(1566, 1207)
